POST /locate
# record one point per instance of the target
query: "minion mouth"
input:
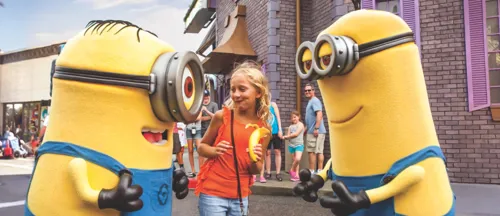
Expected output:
(348, 118)
(154, 137)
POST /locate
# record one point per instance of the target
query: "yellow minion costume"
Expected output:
(386, 158)
(117, 91)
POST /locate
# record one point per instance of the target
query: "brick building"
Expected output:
(459, 45)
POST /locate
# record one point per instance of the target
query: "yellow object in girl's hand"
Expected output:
(255, 137)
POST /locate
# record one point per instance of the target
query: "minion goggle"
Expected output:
(333, 55)
(175, 84)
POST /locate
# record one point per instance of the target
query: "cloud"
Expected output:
(167, 22)
(146, 9)
(163, 20)
(104, 4)
(46, 38)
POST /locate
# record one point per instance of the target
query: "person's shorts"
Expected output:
(190, 135)
(299, 148)
(315, 144)
(275, 142)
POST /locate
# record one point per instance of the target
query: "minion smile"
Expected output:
(348, 118)
(154, 137)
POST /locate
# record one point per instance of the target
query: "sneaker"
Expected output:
(278, 177)
(254, 178)
(295, 178)
(267, 175)
(292, 174)
(312, 172)
(262, 179)
(191, 174)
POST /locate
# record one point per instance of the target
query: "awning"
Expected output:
(234, 45)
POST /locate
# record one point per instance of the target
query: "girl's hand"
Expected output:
(257, 150)
(222, 147)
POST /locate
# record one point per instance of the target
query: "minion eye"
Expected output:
(334, 55)
(179, 89)
(188, 90)
(325, 60)
(308, 64)
(304, 61)
(325, 53)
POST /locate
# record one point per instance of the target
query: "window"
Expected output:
(406, 9)
(388, 5)
(492, 38)
(481, 46)
(25, 115)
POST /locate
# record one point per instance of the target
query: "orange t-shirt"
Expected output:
(217, 176)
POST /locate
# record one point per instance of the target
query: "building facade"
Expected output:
(25, 88)
(459, 46)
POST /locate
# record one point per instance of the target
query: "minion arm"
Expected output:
(79, 177)
(407, 178)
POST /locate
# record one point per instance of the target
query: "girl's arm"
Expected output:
(255, 168)
(287, 136)
(299, 130)
(206, 148)
(199, 116)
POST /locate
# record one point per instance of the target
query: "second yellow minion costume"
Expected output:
(117, 91)
(386, 159)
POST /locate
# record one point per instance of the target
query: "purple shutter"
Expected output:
(367, 4)
(410, 14)
(476, 56)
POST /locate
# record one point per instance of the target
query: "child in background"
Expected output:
(181, 138)
(296, 146)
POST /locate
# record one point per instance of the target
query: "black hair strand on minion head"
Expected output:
(97, 24)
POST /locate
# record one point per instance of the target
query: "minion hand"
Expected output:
(308, 187)
(180, 184)
(346, 203)
(123, 197)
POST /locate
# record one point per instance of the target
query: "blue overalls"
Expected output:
(156, 184)
(386, 207)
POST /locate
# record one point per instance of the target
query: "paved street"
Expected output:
(18, 166)
(472, 200)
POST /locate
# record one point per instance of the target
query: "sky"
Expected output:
(32, 23)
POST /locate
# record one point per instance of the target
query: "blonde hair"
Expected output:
(252, 71)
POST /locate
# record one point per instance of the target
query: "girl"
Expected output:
(218, 188)
(296, 147)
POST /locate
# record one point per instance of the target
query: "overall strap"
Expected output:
(236, 163)
(63, 148)
(400, 165)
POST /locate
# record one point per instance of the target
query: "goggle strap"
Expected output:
(383, 44)
(107, 78)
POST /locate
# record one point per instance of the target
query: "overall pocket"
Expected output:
(161, 196)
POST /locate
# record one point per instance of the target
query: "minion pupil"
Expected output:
(187, 83)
